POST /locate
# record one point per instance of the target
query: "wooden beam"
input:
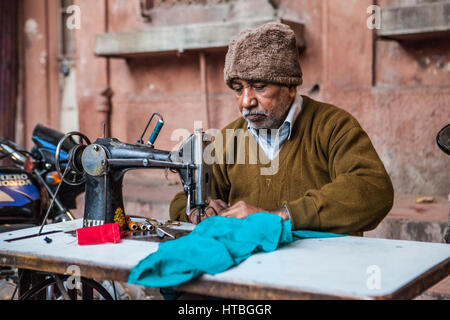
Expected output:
(418, 22)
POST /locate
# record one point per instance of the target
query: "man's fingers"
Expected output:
(234, 214)
(216, 206)
(222, 203)
(194, 215)
(218, 203)
(226, 213)
(211, 212)
(213, 206)
(239, 210)
(231, 212)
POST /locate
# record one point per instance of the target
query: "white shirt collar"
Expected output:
(291, 117)
(294, 111)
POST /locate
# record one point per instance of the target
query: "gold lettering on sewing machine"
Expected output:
(91, 223)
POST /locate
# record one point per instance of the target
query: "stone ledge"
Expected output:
(409, 220)
(418, 22)
(440, 291)
(180, 38)
(427, 222)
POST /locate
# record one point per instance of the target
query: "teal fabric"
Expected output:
(215, 245)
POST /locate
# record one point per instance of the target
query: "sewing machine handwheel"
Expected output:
(75, 176)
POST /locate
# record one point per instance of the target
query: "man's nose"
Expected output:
(248, 98)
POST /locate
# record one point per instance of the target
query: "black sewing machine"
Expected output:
(102, 165)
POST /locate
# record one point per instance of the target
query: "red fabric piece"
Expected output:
(99, 234)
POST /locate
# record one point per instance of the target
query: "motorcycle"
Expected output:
(27, 199)
(443, 141)
(28, 186)
(41, 187)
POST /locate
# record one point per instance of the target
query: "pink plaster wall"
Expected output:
(39, 67)
(400, 94)
(91, 70)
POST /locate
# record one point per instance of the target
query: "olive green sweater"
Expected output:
(329, 175)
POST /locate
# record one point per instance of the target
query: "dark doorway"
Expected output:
(8, 67)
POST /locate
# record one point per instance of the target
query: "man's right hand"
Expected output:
(216, 206)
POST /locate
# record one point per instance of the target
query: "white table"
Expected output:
(341, 268)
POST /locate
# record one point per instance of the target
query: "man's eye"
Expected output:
(259, 86)
(237, 89)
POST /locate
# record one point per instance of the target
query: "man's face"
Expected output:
(264, 105)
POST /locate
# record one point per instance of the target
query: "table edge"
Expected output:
(223, 289)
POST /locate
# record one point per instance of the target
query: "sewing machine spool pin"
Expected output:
(156, 130)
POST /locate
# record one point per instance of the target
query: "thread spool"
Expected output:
(132, 225)
(142, 226)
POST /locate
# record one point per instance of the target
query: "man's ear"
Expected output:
(292, 91)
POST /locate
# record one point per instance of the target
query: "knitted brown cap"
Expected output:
(267, 53)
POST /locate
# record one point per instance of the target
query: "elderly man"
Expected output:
(328, 175)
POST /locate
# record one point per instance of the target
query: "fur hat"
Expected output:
(267, 53)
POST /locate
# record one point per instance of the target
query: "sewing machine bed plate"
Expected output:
(153, 237)
(342, 268)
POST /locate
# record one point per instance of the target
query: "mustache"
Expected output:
(246, 113)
